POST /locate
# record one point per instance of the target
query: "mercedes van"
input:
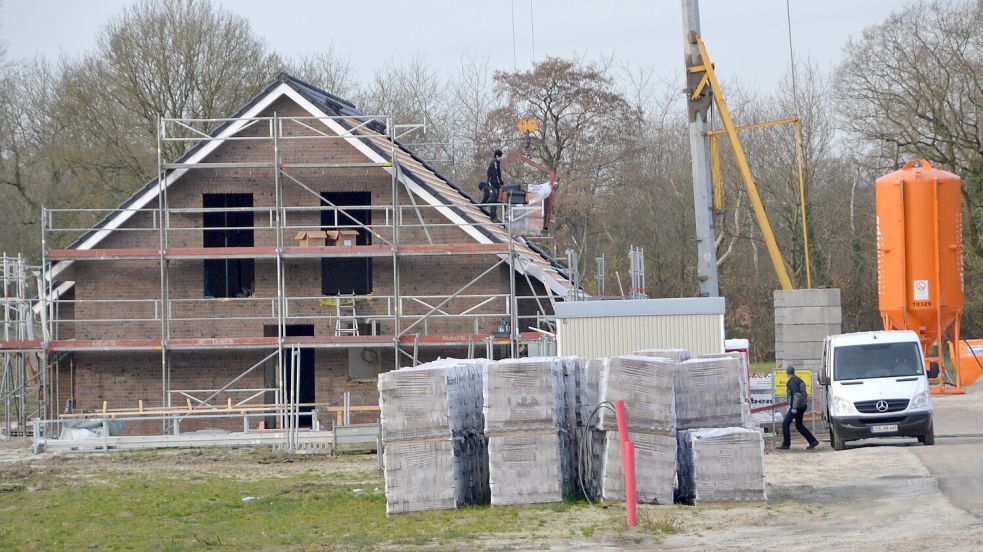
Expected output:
(875, 385)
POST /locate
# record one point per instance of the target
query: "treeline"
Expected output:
(80, 132)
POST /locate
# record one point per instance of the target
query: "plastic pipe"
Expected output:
(628, 461)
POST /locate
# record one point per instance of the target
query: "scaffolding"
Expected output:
(20, 383)
(399, 321)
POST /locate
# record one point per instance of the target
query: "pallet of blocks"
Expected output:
(435, 453)
(712, 392)
(645, 384)
(530, 420)
(744, 373)
(721, 465)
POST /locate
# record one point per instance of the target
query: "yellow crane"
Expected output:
(703, 69)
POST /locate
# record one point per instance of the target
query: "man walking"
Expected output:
(797, 404)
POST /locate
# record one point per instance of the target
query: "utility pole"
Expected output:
(699, 143)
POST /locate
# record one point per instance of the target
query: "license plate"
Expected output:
(887, 428)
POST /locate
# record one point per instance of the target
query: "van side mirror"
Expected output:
(933, 370)
(822, 378)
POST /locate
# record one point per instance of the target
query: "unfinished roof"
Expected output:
(371, 140)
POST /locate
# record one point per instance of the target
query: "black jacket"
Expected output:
(495, 173)
(795, 387)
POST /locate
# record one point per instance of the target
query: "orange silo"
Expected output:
(919, 255)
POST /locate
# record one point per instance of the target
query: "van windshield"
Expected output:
(877, 360)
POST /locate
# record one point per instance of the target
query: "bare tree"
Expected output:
(913, 86)
(185, 58)
(327, 71)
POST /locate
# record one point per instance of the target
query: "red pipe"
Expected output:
(628, 460)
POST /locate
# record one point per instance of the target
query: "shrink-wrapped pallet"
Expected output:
(645, 384)
(721, 465)
(531, 408)
(528, 467)
(655, 467)
(711, 392)
(435, 453)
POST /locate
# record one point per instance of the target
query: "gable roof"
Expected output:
(420, 179)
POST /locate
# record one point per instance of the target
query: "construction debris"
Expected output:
(435, 452)
(721, 465)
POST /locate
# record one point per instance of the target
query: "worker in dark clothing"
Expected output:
(797, 404)
(494, 182)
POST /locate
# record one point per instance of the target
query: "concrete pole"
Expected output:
(700, 150)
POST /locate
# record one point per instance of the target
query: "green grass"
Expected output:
(763, 367)
(157, 510)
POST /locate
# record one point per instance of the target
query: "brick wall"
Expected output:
(130, 289)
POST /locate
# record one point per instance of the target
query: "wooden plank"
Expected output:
(20, 345)
(104, 253)
(338, 251)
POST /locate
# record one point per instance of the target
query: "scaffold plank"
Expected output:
(453, 248)
(220, 342)
(452, 339)
(219, 252)
(338, 251)
(103, 344)
(339, 340)
(103, 253)
(21, 345)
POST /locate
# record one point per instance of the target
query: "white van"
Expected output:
(875, 385)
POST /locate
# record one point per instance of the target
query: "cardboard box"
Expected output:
(342, 238)
(311, 238)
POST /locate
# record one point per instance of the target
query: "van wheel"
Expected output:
(928, 438)
(835, 440)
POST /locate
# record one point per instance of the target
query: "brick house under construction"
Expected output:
(297, 246)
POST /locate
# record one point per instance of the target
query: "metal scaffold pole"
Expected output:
(396, 222)
(162, 242)
(285, 415)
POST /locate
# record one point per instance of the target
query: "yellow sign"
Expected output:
(781, 381)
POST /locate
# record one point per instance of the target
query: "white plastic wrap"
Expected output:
(646, 386)
(655, 467)
(712, 392)
(435, 452)
(531, 411)
(721, 465)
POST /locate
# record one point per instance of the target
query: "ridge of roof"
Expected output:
(333, 106)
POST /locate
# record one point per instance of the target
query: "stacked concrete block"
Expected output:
(745, 384)
(803, 319)
(435, 453)
(645, 384)
(721, 465)
(712, 392)
(531, 410)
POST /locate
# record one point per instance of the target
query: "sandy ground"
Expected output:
(877, 495)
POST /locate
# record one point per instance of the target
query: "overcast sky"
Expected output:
(747, 39)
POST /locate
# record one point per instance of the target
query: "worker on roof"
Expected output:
(494, 183)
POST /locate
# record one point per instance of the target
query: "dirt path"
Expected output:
(888, 495)
(875, 498)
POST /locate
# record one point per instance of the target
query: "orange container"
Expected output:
(970, 361)
(920, 251)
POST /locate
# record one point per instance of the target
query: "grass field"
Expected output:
(259, 500)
